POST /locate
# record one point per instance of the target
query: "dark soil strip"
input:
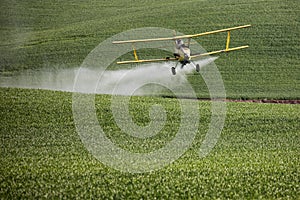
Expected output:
(266, 101)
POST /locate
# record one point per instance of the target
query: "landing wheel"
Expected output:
(197, 68)
(173, 70)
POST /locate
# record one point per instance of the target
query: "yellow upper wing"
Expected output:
(181, 37)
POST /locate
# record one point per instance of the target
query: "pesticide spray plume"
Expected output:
(116, 82)
(131, 81)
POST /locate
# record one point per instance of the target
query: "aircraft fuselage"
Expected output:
(182, 51)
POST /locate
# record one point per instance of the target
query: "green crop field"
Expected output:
(42, 156)
(256, 155)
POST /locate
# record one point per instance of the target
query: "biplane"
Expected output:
(182, 52)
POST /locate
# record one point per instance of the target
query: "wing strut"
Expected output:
(135, 54)
(227, 41)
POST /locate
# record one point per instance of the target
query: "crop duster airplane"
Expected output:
(182, 52)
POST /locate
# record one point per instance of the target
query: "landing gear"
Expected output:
(197, 68)
(173, 70)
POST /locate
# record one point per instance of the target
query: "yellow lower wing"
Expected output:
(191, 58)
(219, 51)
(144, 61)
